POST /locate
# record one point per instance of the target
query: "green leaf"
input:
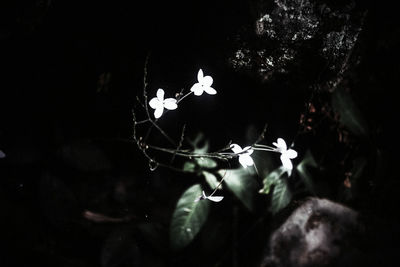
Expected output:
(281, 196)
(211, 179)
(189, 166)
(271, 179)
(264, 161)
(195, 143)
(206, 162)
(350, 115)
(188, 217)
(308, 161)
(242, 184)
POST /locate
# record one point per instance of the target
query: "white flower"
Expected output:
(286, 155)
(159, 103)
(215, 199)
(244, 155)
(204, 84)
(2, 154)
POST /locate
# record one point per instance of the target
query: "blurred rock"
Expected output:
(318, 233)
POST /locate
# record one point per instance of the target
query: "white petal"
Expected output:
(281, 144)
(158, 112)
(170, 103)
(210, 90)
(200, 75)
(287, 164)
(155, 103)
(206, 81)
(291, 154)
(160, 94)
(236, 148)
(2, 154)
(248, 150)
(246, 160)
(197, 89)
(215, 199)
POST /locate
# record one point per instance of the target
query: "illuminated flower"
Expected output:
(212, 198)
(159, 103)
(286, 155)
(244, 155)
(204, 84)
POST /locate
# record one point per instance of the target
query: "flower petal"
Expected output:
(281, 144)
(248, 150)
(160, 94)
(246, 160)
(158, 112)
(291, 154)
(2, 154)
(215, 199)
(197, 89)
(236, 148)
(206, 81)
(155, 103)
(286, 162)
(170, 103)
(210, 90)
(200, 75)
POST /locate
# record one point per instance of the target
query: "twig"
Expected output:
(180, 143)
(183, 97)
(262, 135)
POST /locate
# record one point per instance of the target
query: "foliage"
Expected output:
(276, 185)
(188, 217)
(350, 116)
(242, 184)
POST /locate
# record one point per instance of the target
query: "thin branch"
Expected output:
(162, 132)
(180, 143)
(183, 97)
(142, 147)
(184, 153)
(262, 135)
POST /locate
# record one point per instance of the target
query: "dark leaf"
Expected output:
(188, 217)
(308, 161)
(242, 183)
(350, 115)
(211, 180)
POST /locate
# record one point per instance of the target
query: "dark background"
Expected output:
(60, 121)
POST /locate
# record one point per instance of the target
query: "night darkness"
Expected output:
(76, 190)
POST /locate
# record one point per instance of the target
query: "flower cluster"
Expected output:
(158, 103)
(280, 146)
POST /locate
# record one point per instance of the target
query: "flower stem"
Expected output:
(183, 97)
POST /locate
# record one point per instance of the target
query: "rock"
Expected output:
(318, 233)
(298, 37)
